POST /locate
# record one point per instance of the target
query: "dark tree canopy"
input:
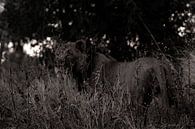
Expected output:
(155, 23)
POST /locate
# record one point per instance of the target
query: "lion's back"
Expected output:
(129, 73)
(130, 68)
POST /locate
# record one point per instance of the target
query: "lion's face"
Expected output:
(71, 55)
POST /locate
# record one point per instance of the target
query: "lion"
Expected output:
(145, 79)
(74, 57)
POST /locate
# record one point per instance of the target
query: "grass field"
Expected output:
(32, 99)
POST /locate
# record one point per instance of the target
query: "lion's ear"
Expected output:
(81, 45)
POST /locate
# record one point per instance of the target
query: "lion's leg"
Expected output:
(162, 96)
(144, 95)
(173, 84)
(148, 84)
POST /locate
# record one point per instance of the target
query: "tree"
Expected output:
(25, 18)
(154, 24)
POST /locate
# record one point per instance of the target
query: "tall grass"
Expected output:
(31, 98)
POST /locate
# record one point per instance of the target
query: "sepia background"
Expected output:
(36, 93)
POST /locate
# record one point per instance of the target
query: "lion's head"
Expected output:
(71, 55)
(74, 57)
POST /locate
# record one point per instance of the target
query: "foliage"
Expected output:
(121, 22)
(24, 18)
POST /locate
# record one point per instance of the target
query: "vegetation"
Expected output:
(28, 101)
